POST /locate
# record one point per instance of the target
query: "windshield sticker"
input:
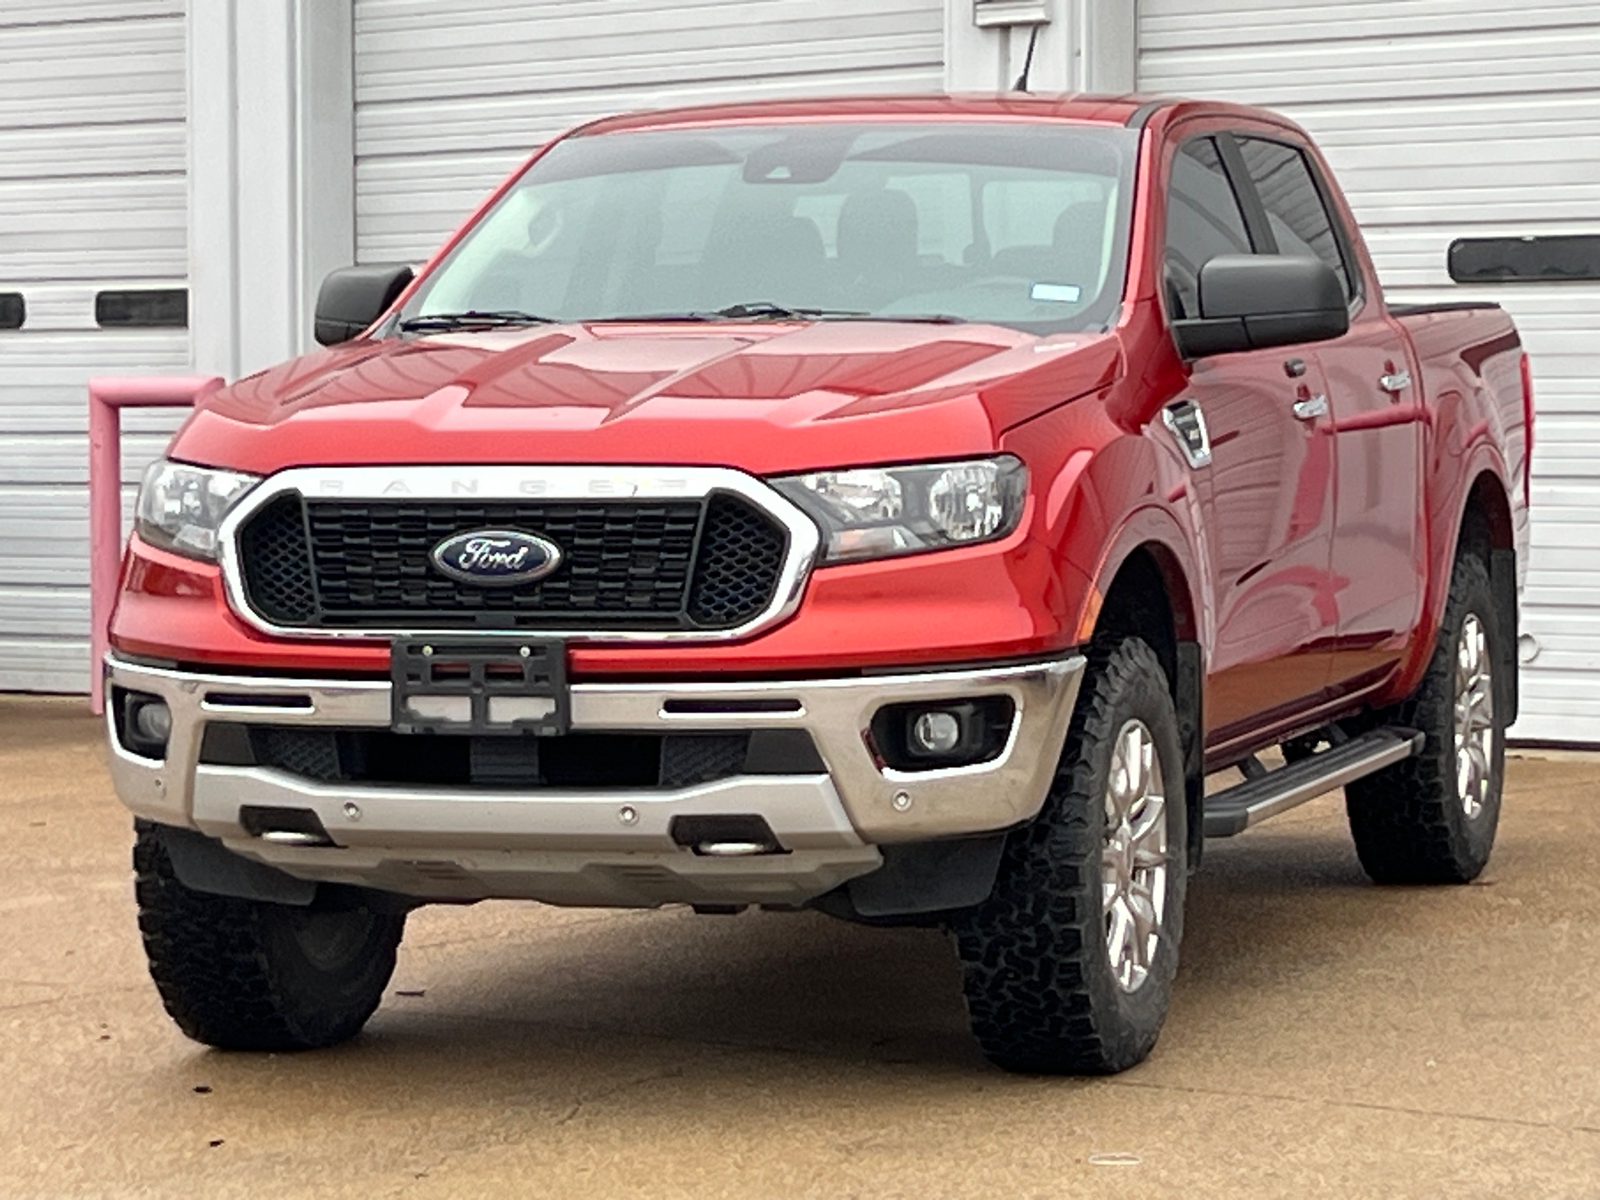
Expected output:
(1061, 293)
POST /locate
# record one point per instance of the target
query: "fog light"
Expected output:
(936, 732)
(144, 722)
(152, 721)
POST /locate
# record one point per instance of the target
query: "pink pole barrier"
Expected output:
(107, 398)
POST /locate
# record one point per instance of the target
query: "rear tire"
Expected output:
(1068, 965)
(252, 975)
(1432, 818)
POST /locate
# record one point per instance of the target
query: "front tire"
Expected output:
(1433, 817)
(1068, 965)
(252, 975)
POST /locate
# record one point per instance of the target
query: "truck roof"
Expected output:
(1100, 109)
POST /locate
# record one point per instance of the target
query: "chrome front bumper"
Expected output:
(606, 847)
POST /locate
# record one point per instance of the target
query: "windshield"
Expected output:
(1014, 224)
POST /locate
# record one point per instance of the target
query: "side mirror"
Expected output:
(354, 297)
(1253, 301)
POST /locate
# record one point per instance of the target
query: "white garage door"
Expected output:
(92, 207)
(450, 97)
(1447, 119)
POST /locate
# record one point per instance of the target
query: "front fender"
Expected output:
(1103, 493)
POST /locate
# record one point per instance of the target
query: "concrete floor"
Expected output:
(1328, 1038)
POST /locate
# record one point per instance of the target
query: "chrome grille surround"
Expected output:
(553, 483)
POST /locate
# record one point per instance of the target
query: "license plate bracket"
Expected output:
(480, 685)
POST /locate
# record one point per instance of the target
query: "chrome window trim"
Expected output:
(532, 483)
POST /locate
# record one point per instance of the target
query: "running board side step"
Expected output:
(1249, 803)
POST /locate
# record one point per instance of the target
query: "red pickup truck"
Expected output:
(892, 507)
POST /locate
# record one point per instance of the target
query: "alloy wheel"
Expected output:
(1133, 858)
(1474, 716)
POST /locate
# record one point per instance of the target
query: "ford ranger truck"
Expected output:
(892, 507)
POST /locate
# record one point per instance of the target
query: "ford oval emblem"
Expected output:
(496, 557)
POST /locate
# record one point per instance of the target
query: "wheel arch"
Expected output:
(1487, 530)
(1486, 515)
(1149, 595)
(1480, 520)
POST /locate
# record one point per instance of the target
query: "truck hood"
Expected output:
(763, 397)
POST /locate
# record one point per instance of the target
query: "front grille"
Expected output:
(660, 565)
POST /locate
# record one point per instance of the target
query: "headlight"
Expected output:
(877, 512)
(181, 506)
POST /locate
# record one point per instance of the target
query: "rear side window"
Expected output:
(1203, 221)
(1300, 221)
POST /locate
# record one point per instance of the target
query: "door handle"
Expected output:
(1395, 381)
(1311, 407)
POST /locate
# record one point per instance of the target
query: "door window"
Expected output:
(1299, 218)
(1203, 221)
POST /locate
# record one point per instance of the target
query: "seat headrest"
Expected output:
(1078, 223)
(755, 256)
(1077, 243)
(878, 230)
(790, 239)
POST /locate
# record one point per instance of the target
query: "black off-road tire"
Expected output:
(1040, 989)
(252, 975)
(1409, 822)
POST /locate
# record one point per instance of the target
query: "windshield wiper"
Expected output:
(760, 310)
(472, 319)
(765, 310)
(917, 318)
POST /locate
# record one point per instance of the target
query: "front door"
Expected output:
(1267, 493)
(1378, 572)
(1269, 511)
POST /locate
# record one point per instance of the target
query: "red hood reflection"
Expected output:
(762, 397)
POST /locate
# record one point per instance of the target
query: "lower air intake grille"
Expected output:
(578, 761)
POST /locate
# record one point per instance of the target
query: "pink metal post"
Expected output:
(107, 398)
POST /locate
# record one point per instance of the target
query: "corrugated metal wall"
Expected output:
(92, 195)
(449, 98)
(1445, 119)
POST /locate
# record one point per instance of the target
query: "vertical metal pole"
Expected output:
(105, 528)
(107, 398)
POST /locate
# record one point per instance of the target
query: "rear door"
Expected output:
(1267, 492)
(1377, 568)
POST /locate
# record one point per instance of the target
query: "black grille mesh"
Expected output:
(585, 760)
(688, 759)
(621, 559)
(740, 553)
(277, 566)
(626, 564)
(312, 753)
